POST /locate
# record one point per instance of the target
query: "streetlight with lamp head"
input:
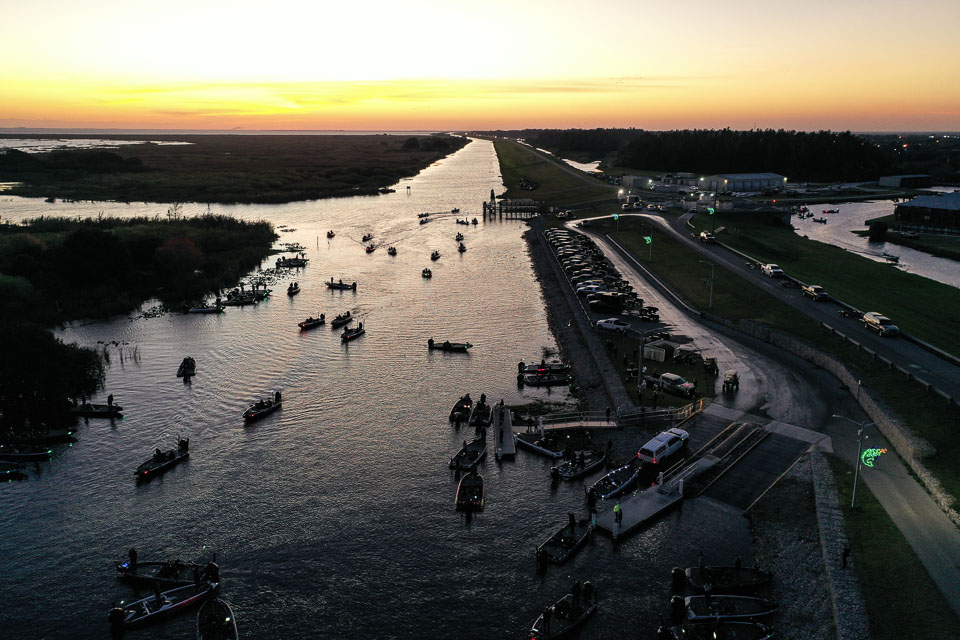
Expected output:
(856, 475)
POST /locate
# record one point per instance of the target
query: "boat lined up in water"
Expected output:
(352, 333)
(470, 492)
(312, 322)
(726, 579)
(545, 445)
(27, 454)
(446, 345)
(392, 251)
(162, 461)
(617, 481)
(563, 544)
(295, 262)
(216, 621)
(341, 285)
(341, 320)
(367, 237)
(716, 631)
(426, 273)
(203, 307)
(480, 416)
(545, 379)
(470, 454)
(153, 609)
(435, 255)
(461, 410)
(263, 408)
(167, 573)
(721, 608)
(584, 464)
(88, 410)
(293, 289)
(12, 471)
(567, 614)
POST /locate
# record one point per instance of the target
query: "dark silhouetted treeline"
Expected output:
(226, 168)
(821, 156)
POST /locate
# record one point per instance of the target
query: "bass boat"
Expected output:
(215, 621)
(161, 461)
(470, 492)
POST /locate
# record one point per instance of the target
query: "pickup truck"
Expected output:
(671, 383)
(613, 324)
(815, 291)
(771, 270)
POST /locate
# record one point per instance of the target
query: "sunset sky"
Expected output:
(447, 64)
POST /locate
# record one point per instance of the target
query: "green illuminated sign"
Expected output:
(616, 216)
(870, 455)
(648, 239)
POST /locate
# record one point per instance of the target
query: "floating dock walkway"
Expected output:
(639, 509)
(502, 432)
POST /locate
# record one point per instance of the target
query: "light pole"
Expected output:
(649, 240)
(643, 334)
(713, 268)
(856, 474)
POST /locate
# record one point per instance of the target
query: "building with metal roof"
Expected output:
(724, 182)
(934, 213)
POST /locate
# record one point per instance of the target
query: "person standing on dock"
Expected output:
(132, 555)
(617, 518)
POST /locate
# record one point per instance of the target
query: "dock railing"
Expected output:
(599, 419)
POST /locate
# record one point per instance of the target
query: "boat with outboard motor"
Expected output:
(153, 608)
(721, 608)
(581, 465)
(203, 307)
(330, 233)
(446, 345)
(424, 220)
(262, 408)
(312, 322)
(162, 461)
(464, 221)
(455, 210)
(167, 573)
(187, 368)
(723, 579)
(470, 492)
(461, 410)
(831, 210)
(459, 237)
(87, 410)
(367, 237)
(554, 366)
(820, 220)
(480, 416)
(341, 285)
(293, 289)
(215, 621)
(563, 544)
(352, 333)
(292, 263)
(423, 215)
(566, 615)
(370, 248)
(426, 273)
(24, 454)
(545, 445)
(470, 453)
(392, 251)
(474, 221)
(545, 380)
(435, 255)
(341, 320)
(462, 248)
(617, 481)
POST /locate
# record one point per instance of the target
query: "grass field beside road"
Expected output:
(556, 186)
(902, 600)
(920, 306)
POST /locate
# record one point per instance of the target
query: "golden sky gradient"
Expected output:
(431, 64)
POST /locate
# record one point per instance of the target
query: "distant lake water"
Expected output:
(839, 229)
(332, 518)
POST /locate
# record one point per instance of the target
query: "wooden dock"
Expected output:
(638, 510)
(502, 432)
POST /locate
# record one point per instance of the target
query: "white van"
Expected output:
(663, 445)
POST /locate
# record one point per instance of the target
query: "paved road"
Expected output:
(911, 357)
(783, 387)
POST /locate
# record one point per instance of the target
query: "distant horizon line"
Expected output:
(240, 131)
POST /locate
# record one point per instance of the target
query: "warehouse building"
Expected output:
(931, 213)
(904, 182)
(726, 182)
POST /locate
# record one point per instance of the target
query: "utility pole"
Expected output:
(713, 268)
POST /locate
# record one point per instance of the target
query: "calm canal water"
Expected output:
(334, 517)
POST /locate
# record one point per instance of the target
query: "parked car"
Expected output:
(707, 237)
(613, 324)
(771, 270)
(663, 445)
(880, 323)
(816, 292)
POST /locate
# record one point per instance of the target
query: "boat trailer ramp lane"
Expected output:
(734, 462)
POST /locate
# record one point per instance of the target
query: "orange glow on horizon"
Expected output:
(373, 66)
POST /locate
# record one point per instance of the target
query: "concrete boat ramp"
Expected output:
(502, 431)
